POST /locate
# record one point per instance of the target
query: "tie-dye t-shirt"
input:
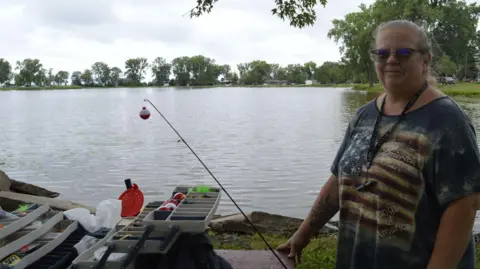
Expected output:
(430, 160)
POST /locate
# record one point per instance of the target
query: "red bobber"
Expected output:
(144, 113)
(179, 196)
(173, 201)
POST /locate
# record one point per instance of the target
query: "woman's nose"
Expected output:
(392, 59)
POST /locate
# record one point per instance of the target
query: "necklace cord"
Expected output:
(375, 147)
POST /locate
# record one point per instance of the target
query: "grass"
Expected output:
(319, 254)
(459, 89)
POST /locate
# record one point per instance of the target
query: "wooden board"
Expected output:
(258, 259)
(55, 204)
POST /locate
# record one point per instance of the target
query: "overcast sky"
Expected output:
(72, 35)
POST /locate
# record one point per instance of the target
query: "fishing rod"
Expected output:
(145, 114)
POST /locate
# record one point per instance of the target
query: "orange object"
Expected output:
(132, 201)
(179, 196)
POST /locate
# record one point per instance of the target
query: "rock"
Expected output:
(5, 181)
(10, 198)
(8, 184)
(264, 222)
(26, 188)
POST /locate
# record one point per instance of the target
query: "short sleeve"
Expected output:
(456, 163)
(341, 150)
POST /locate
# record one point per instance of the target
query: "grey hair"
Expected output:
(424, 44)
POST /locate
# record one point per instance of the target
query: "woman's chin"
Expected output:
(394, 81)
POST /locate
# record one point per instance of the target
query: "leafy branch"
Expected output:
(300, 13)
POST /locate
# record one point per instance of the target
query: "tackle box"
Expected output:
(193, 213)
(152, 231)
(26, 239)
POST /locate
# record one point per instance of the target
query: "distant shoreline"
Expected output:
(72, 87)
(462, 89)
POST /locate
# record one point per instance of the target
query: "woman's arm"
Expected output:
(324, 208)
(456, 184)
(454, 233)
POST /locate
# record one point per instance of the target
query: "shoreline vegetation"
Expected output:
(319, 254)
(459, 89)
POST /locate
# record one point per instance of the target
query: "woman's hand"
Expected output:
(295, 245)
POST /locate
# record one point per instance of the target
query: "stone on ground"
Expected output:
(264, 222)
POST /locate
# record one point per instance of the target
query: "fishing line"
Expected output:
(219, 184)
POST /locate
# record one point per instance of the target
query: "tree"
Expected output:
(300, 13)
(41, 78)
(296, 73)
(310, 68)
(115, 73)
(331, 73)
(76, 78)
(255, 72)
(61, 77)
(101, 73)
(49, 77)
(354, 33)
(87, 77)
(203, 70)
(161, 71)
(225, 71)
(233, 77)
(196, 70)
(5, 71)
(281, 73)
(29, 72)
(456, 35)
(135, 70)
(446, 66)
(181, 70)
(440, 3)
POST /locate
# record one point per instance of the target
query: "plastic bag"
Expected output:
(108, 214)
(86, 243)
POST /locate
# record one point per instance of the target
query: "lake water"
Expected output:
(271, 148)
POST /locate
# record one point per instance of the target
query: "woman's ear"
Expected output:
(426, 62)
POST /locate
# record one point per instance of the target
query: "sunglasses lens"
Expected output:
(403, 53)
(380, 55)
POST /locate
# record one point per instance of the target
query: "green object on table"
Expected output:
(22, 208)
(200, 189)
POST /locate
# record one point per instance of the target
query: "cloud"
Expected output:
(72, 35)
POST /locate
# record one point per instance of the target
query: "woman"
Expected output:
(407, 173)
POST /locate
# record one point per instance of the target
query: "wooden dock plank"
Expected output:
(258, 259)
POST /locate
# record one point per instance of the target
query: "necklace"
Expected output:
(375, 147)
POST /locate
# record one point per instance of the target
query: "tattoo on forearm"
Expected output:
(325, 207)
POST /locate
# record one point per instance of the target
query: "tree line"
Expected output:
(182, 71)
(451, 25)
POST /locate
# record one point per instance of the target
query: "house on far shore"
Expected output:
(225, 82)
(310, 82)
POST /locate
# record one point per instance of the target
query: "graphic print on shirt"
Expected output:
(386, 210)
